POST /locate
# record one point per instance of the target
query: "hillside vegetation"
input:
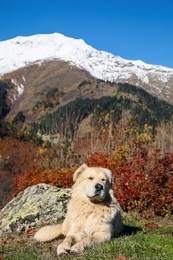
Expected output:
(129, 132)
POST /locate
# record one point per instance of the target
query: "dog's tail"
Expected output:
(48, 233)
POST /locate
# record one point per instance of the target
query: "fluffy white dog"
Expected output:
(93, 215)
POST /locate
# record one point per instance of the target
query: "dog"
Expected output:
(93, 214)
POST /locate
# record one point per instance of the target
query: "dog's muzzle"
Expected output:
(98, 193)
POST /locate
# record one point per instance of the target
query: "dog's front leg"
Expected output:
(95, 239)
(65, 246)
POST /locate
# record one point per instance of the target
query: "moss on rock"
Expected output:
(33, 207)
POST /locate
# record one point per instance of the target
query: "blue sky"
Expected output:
(132, 29)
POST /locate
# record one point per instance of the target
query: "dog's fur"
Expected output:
(93, 215)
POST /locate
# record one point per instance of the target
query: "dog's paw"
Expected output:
(77, 248)
(63, 249)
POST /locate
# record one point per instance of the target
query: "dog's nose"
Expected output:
(99, 187)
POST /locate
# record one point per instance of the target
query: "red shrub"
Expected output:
(59, 177)
(144, 183)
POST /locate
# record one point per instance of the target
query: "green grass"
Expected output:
(138, 242)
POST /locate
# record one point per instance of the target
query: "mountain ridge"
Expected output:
(25, 51)
(59, 42)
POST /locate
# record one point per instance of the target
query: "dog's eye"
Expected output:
(104, 180)
(91, 178)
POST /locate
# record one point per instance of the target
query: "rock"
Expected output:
(37, 205)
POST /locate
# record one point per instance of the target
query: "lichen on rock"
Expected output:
(33, 207)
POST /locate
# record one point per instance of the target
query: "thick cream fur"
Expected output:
(91, 218)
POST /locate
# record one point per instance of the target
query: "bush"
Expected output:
(144, 184)
(60, 177)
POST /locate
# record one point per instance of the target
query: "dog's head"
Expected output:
(94, 182)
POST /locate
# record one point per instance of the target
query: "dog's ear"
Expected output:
(109, 176)
(79, 171)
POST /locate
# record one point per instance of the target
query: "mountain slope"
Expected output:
(30, 87)
(21, 51)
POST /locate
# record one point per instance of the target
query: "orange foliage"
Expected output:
(143, 179)
(59, 177)
(16, 157)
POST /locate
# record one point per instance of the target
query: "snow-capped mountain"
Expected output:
(21, 51)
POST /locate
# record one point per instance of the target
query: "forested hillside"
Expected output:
(129, 132)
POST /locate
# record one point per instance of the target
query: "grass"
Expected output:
(137, 242)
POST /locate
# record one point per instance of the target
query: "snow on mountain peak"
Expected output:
(18, 52)
(21, 51)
